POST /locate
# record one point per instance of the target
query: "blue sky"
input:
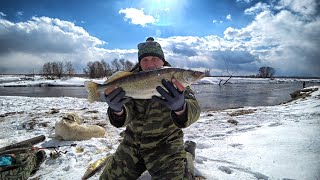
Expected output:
(228, 37)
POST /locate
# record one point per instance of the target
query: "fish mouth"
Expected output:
(199, 74)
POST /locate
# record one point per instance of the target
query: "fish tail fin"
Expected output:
(95, 167)
(92, 89)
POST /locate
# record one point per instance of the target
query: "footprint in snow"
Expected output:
(225, 169)
(274, 124)
(236, 145)
(230, 167)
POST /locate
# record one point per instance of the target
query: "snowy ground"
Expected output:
(275, 142)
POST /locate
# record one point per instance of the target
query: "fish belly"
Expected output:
(143, 89)
(142, 94)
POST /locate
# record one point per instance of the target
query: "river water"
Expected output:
(210, 96)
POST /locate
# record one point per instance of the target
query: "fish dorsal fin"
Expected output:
(118, 75)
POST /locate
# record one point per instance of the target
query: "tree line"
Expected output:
(263, 72)
(96, 69)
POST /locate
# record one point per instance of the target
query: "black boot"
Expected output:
(190, 147)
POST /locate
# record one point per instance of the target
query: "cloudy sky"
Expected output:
(228, 37)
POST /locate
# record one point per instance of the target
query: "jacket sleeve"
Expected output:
(192, 112)
(125, 118)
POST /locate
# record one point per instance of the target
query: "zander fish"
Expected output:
(142, 85)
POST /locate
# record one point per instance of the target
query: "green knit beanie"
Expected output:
(150, 48)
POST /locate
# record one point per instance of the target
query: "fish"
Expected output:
(95, 167)
(142, 84)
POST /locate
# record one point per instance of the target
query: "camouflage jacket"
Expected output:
(151, 124)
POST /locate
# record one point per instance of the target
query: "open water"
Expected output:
(210, 96)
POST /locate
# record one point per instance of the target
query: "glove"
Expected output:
(116, 99)
(173, 99)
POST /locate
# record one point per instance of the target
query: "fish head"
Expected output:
(190, 76)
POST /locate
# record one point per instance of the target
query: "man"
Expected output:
(153, 139)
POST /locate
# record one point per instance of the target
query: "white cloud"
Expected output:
(43, 39)
(305, 7)
(137, 16)
(2, 14)
(259, 7)
(207, 52)
(45, 34)
(284, 40)
(244, 1)
(279, 38)
(239, 34)
(19, 13)
(228, 17)
(216, 21)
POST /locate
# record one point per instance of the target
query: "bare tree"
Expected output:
(50, 69)
(128, 65)
(207, 72)
(69, 68)
(122, 64)
(57, 69)
(88, 70)
(96, 69)
(116, 66)
(266, 72)
(47, 69)
(107, 68)
(102, 69)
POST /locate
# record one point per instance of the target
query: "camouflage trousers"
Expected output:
(25, 165)
(128, 163)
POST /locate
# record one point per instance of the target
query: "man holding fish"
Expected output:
(154, 102)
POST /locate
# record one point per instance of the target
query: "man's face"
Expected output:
(150, 63)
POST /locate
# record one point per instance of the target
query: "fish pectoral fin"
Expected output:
(118, 75)
(92, 89)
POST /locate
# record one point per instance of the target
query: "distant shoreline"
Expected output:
(42, 81)
(248, 76)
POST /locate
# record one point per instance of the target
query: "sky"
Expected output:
(230, 37)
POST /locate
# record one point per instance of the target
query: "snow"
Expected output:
(11, 78)
(237, 80)
(41, 81)
(268, 142)
(276, 141)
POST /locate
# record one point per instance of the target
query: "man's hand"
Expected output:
(115, 98)
(174, 99)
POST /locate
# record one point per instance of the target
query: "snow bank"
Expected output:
(275, 142)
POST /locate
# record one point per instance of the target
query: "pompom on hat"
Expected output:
(150, 48)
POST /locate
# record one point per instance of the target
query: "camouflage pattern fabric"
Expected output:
(153, 141)
(23, 167)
